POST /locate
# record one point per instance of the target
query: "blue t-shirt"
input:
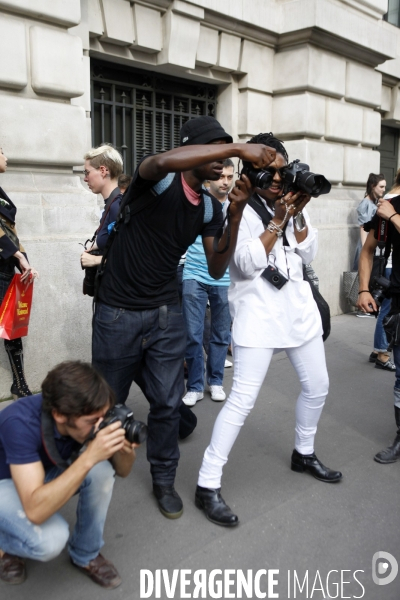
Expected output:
(196, 266)
(21, 436)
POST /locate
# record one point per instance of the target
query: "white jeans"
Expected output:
(251, 366)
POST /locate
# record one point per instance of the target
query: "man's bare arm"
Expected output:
(365, 301)
(238, 197)
(123, 460)
(158, 166)
(41, 500)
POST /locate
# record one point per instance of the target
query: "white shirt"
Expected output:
(263, 316)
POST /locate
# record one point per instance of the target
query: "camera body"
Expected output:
(90, 276)
(135, 431)
(274, 276)
(296, 177)
(380, 289)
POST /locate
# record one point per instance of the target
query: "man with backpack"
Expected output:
(138, 329)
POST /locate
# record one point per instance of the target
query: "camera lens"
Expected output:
(275, 278)
(136, 432)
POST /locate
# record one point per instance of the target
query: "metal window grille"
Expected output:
(141, 113)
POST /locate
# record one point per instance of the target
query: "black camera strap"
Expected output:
(258, 207)
(110, 200)
(220, 233)
(49, 443)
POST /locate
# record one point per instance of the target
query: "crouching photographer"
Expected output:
(384, 230)
(70, 439)
(272, 308)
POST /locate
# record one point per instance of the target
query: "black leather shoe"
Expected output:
(215, 507)
(311, 464)
(373, 356)
(169, 501)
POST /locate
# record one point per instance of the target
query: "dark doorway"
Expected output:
(389, 150)
(141, 112)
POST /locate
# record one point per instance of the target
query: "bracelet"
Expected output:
(362, 291)
(274, 228)
(391, 216)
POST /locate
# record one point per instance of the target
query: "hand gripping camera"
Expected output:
(295, 177)
(135, 431)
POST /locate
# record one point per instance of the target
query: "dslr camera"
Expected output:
(380, 289)
(90, 276)
(135, 431)
(296, 177)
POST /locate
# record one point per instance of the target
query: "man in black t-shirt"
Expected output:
(389, 211)
(138, 330)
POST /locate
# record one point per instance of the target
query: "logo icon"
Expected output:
(185, 139)
(384, 568)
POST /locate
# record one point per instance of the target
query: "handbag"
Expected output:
(322, 305)
(9, 231)
(351, 286)
(15, 310)
(351, 282)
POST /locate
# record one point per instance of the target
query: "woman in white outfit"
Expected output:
(265, 319)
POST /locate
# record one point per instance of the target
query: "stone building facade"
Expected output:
(323, 75)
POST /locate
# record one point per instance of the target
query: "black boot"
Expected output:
(19, 387)
(309, 463)
(215, 507)
(392, 453)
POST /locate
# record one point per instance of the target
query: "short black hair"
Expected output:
(74, 388)
(228, 163)
(268, 139)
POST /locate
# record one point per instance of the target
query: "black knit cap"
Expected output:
(203, 130)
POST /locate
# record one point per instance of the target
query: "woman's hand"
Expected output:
(89, 260)
(28, 272)
(290, 205)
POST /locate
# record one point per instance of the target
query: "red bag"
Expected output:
(15, 309)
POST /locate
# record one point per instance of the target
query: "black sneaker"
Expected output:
(386, 366)
(169, 501)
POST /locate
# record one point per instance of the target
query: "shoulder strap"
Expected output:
(208, 205)
(260, 209)
(49, 443)
(110, 200)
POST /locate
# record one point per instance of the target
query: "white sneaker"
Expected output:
(217, 393)
(227, 364)
(192, 397)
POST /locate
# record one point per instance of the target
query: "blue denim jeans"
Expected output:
(148, 347)
(194, 302)
(21, 537)
(380, 340)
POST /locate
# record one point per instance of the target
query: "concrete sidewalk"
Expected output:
(288, 521)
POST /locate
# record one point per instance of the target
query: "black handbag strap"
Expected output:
(110, 200)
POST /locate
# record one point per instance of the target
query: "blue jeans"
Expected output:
(21, 537)
(194, 302)
(380, 340)
(148, 347)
